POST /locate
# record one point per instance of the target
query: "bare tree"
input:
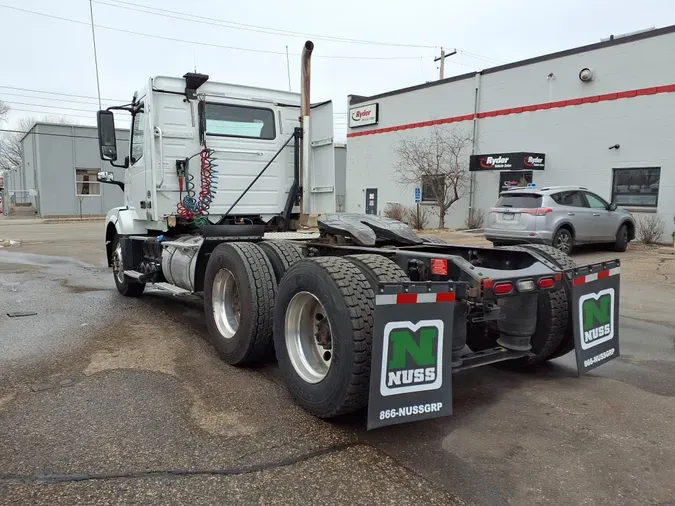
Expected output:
(439, 164)
(4, 109)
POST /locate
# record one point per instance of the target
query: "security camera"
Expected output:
(616, 146)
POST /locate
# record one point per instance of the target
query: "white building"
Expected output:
(601, 116)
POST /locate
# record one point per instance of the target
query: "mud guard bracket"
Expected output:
(594, 306)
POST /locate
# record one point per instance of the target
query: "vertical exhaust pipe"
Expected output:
(305, 102)
(306, 69)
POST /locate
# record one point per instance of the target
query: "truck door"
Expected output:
(320, 190)
(137, 165)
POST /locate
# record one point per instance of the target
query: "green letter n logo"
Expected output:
(596, 312)
(404, 345)
(596, 318)
(412, 357)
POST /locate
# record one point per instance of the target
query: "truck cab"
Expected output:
(204, 152)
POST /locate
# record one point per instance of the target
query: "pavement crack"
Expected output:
(53, 479)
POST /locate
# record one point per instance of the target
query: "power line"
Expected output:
(59, 93)
(8, 130)
(50, 106)
(246, 27)
(233, 48)
(52, 113)
(71, 101)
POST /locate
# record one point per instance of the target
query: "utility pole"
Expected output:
(442, 60)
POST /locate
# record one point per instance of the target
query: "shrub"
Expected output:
(474, 219)
(413, 220)
(649, 228)
(395, 211)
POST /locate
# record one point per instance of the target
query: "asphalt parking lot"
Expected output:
(107, 400)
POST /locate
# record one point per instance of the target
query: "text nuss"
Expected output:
(411, 376)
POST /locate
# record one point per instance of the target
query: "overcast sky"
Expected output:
(398, 40)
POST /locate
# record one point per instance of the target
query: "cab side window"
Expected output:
(137, 136)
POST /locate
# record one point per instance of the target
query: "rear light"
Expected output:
(539, 211)
(546, 283)
(502, 288)
(526, 285)
(487, 284)
(439, 266)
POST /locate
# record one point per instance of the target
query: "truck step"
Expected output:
(134, 274)
(168, 287)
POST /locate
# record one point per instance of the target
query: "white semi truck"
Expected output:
(221, 184)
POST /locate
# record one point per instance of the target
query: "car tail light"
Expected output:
(439, 266)
(526, 285)
(539, 211)
(502, 288)
(546, 283)
(487, 284)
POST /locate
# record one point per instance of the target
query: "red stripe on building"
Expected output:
(670, 88)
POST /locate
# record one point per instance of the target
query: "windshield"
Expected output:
(519, 200)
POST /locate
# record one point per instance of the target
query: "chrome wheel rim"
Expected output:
(226, 304)
(308, 337)
(118, 264)
(563, 242)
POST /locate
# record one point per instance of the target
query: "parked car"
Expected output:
(562, 216)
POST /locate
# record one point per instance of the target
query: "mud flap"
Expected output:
(594, 308)
(411, 375)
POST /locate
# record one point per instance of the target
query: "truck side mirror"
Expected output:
(105, 177)
(107, 141)
(612, 207)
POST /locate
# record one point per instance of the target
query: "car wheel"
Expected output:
(563, 241)
(621, 239)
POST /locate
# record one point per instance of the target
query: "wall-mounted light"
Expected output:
(616, 146)
(586, 75)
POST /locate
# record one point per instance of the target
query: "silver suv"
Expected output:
(561, 216)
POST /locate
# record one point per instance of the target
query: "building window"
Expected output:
(636, 187)
(432, 187)
(86, 183)
(239, 121)
(137, 135)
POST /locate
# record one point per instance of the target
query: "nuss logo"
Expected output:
(412, 357)
(596, 318)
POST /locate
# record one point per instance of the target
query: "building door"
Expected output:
(371, 200)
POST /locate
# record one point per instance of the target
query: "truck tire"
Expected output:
(281, 255)
(564, 262)
(129, 287)
(239, 276)
(378, 269)
(553, 326)
(323, 334)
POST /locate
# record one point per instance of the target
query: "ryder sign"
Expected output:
(363, 115)
(520, 160)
